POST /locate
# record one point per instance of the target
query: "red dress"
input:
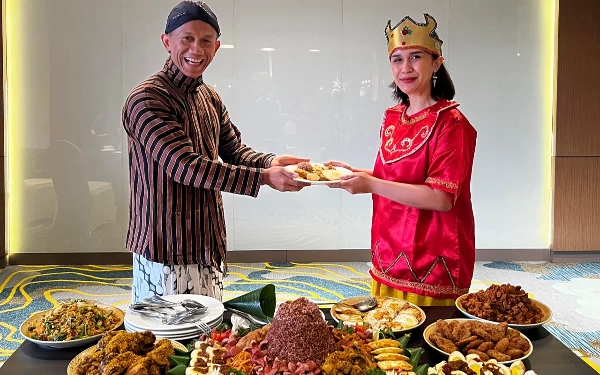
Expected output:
(426, 252)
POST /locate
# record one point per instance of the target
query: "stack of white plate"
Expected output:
(136, 322)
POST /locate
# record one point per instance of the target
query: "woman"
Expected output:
(422, 236)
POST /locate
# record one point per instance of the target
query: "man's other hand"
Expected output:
(281, 179)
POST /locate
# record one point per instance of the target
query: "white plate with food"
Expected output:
(317, 173)
(71, 323)
(391, 313)
(519, 311)
(488, 340)
(85, 361)
(462, 364)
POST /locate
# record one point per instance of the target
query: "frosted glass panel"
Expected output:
(308, 78)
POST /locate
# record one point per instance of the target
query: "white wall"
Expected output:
(78, 60)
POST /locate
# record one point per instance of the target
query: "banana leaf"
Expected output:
(415, 356)
(183, 352)
(190, 347)
(177, 370)
(177, 360)
(260, 302)
(404, 340)
(422, 370)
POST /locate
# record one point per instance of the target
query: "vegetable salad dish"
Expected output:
(72, 320)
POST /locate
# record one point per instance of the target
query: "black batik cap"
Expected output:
(187, 11)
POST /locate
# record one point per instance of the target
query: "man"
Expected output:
(177, 129)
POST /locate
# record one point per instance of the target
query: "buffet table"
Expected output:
(549, 355)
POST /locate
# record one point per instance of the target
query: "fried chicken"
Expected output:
(136, 342)
(502, 345)
(91, 364)
(145, 366)
(484, 357)
(160, 355)
(515, 353)
(106, 337)
(442, 327)
(119, 364)
(485, 346)
(488, 340)
(473, 344)
(500, 357)
(445, 344)
(461, 331)
(133, 353)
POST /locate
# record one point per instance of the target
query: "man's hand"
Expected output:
(283, 160)
(281, 179)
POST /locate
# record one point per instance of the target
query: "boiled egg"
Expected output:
(456, 356)
(517, 368)
(475, 366)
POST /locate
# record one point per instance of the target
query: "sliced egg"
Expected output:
(530, 372)
(476, 367)
(471, 357)
(431, 371)
(456, 356)
(458, 372)
(439, 366)
(517, 368)
(505, 370)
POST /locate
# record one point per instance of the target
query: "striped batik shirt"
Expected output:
(177, 129)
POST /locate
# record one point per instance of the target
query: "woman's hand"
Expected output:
(337, 163)
(357, 183)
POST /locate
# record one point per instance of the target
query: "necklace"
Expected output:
(406, 121)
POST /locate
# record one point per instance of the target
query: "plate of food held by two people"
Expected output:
(318, 173)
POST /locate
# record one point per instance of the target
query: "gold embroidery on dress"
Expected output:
(405, 144)
(418, 285)
(389, 130)
(446, 184)
(389, 144)
(419, 282)
(406, 121)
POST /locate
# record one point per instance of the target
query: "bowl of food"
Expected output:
(473, 364)
(131, 352)
(71, 323)
(488, 340)
(317, 173)
(390, 314)
(505, 303)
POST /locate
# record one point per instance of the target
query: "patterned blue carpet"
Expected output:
(571, 290)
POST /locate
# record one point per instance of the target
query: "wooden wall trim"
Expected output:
(577, 130)
(576, 204)
(576, 161)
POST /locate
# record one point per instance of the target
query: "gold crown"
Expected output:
(410, 34)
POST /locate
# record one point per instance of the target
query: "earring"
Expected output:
(434, 78)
